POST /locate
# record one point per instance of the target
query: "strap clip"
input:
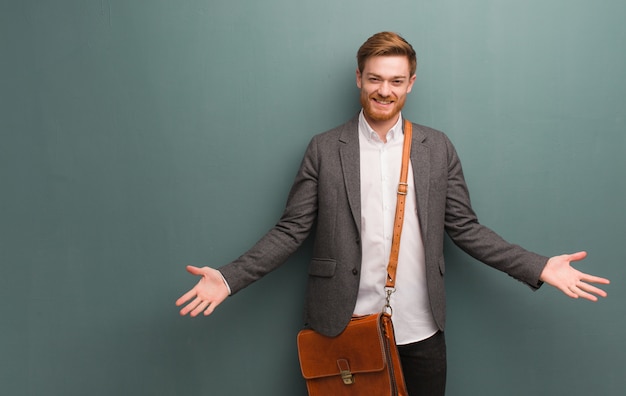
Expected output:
(387, 308)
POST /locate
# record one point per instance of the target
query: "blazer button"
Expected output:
(355, 271)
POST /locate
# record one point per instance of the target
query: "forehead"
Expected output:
(396, 66)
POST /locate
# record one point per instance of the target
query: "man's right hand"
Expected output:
(206, 295)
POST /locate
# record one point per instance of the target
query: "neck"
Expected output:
(383, 126)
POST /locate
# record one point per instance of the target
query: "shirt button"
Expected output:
(355, 271)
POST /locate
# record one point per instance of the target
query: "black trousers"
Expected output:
(424, 366)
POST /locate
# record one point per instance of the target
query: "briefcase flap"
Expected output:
(360, 348)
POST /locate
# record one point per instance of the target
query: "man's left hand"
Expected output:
(559, 273)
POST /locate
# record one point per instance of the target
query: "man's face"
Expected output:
(384, 83)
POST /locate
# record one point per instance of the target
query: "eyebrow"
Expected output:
(381, 77)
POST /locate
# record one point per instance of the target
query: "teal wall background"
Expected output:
(141, 136)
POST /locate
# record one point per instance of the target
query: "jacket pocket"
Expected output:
(322, 267)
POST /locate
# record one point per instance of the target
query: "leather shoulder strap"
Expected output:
(402, 192)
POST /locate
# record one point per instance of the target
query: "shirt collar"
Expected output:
(366, 130)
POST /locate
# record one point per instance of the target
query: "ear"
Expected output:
(411, 82)
(358, 78)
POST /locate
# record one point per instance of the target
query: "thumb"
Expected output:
(194, 270)
(577, 256)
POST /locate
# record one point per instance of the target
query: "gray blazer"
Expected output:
(326, 193)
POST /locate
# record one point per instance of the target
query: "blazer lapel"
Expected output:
(420, 161)
(351, 168)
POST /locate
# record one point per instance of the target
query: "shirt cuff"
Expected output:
(226, 283)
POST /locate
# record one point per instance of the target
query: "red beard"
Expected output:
(375, 114)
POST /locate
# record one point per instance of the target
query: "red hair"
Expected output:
(386, 44)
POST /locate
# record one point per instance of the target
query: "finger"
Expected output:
(209, 310)
(580, 291)
(592, 289)
(587, 296)
(186, 297)
(201, 307)
(577, 256)
(570, 291)
(194, 270)
(189, 307)
(594, 279)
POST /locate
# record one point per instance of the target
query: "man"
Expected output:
(347, 185)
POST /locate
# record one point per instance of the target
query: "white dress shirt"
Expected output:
(380, 173)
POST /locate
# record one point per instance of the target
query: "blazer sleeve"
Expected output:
(479, 241)
(282, 240)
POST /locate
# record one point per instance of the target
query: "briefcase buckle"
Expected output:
(344, 370)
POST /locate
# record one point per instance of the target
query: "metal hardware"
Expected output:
(347, 377)
(387, 308)
(401, 190)
(344, 370)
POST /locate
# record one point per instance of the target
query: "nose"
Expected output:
(384, 89)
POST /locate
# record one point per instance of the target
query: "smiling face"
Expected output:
(384, 83)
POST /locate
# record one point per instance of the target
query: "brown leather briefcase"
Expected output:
(363, 360)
